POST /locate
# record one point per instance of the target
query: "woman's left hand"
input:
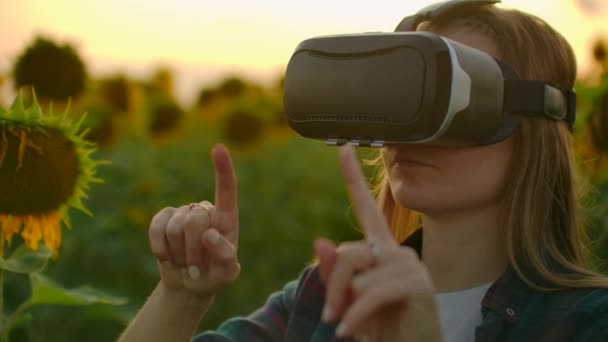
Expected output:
(380, 290)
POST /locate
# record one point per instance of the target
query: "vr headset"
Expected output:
(408, 87)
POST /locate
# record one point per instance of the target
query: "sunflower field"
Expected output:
(77, 268)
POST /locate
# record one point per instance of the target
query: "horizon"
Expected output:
(158, 33)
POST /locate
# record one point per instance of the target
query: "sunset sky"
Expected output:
(203, 40)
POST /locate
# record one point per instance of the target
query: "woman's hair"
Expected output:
(544, 231)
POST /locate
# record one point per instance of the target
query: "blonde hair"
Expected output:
(545, 235)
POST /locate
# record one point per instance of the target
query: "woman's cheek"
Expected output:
(461, 178)
(462, 184)
(418, 190)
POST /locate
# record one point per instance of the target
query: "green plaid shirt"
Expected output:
(512, 311)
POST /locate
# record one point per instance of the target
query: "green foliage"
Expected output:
(42, 290)
(590, 133)
(289, 194)
(45, 292)
(26, 261)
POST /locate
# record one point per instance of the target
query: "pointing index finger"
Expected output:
(367, 212)
(225, 180)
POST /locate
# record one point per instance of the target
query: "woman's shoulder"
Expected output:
(594, 299)
(588, 307)
(575, 312)
(581, 303)
(591, 301)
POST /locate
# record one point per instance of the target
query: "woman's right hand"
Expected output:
(196, 245)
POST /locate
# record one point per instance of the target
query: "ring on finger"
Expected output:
(206, 205)
(374, 248)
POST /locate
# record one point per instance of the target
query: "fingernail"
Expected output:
(341, 330)
(194, 272)
(327, 313)
(213, 237)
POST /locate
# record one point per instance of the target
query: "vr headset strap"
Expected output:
(539, 98)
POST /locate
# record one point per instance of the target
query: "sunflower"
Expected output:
(45, 168)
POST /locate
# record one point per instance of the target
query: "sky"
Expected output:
(203, 41)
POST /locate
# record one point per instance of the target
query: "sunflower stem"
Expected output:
(12, 319)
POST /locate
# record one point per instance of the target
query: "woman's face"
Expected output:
(438, 180)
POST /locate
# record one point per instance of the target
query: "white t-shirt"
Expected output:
(460, 313)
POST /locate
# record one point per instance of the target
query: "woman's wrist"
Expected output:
(183, 299)
(168, 315)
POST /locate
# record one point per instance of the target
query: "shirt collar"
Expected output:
(507, 296)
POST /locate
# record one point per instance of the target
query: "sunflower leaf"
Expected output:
(24, 260)
(46, 292)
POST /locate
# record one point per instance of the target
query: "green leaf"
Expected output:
(24, 260)
(47, 292)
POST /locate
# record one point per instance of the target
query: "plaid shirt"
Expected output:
(512, 311)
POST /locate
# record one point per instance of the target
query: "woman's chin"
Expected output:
(412, 196)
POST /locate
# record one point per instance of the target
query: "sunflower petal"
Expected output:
(31, 232)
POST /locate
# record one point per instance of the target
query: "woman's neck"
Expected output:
(463, 250)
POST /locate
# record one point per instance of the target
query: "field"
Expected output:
(290, 192)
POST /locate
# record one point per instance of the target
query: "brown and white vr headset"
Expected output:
(410, 87)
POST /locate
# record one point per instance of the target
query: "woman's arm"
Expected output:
(269, 323)
(196, 251)
(167, 316)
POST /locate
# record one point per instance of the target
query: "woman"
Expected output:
(503, 255)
